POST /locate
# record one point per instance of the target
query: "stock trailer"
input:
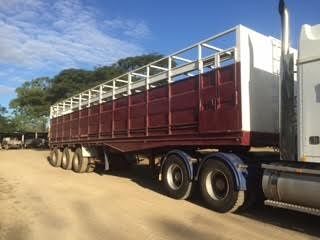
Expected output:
(227, 94)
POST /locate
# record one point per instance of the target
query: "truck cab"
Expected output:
(309, 94)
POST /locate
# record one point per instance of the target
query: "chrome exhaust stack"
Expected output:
(285, 22)
(287, 112)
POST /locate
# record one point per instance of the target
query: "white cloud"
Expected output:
(14, 6)
(39, 35)
(130, 28)
(6, 89)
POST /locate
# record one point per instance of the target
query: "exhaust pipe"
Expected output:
(285, 22)
(287, 113)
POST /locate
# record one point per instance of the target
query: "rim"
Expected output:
(76, 161)
(217, 185)
(54, 157)
(175, 176)
(64, 159)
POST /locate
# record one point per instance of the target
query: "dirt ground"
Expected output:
(38, 201)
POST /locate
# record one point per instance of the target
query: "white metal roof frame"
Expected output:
(146, 77)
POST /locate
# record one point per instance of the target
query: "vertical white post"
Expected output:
(71, 104)
(217, 60)
(80, 100)
(113, 89)
(89, 98)
(129, 83)
(147, 78)
(169, 69)
(200, 62)
(238, 44)
(100, 94)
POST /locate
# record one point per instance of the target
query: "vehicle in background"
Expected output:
(11, 143)
(36, 143)
(28, 143)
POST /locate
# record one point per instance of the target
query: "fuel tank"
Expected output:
(292, 187)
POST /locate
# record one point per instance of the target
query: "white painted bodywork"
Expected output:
(309, 93)
(259, 56)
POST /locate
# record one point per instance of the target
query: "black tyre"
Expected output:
(218, 188)
(175, 178)
(79, 163)
(66, 161)
(55, 157)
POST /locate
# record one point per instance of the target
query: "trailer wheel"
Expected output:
(218, 187)
(79, 163)
(176, 178)
(55, 157)
(66, 161)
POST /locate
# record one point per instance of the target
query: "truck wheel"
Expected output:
(66, 161)
(176, 180)
(218, 187)
(79, 163)
(6, 147)
(55, 157)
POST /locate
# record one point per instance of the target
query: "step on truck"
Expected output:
(196, 114)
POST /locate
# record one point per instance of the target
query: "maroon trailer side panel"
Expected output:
(199, 111)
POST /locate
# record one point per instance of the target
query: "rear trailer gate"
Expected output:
(194, 97)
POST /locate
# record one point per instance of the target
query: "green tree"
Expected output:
(32, 98)
(31, 106)
(131, 63)
(71, 81)
(67, 82)
(22, 122)
(6, 121)
(3, 119)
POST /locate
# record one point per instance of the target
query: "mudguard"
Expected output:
(235, 163)
(186, 159)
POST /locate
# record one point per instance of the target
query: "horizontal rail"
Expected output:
(181, 63)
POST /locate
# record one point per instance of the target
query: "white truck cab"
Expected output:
(309, 94)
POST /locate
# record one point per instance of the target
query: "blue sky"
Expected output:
(40, 38)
